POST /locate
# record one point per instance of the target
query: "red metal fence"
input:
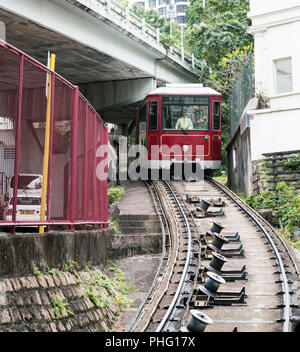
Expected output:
(75, 194)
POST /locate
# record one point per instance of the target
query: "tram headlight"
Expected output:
(185, 148)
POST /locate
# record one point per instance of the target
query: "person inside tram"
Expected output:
(168, 121)
(184, 122)
(202, 123)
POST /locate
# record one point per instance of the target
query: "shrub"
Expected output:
(286, 202)
(115, 194)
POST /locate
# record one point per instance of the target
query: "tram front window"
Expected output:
(176, 116)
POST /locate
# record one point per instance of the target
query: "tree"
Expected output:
(158, 21)
(218, 29)
(228, 69)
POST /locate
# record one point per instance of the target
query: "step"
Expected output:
(144, 234)
(137, 217)
(140, 223)
(141, 230)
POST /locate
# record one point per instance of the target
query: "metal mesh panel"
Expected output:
(32, 132)
(79, 213)
(75, 194)
(90, 165)
(60, 159)
(241, 93)
(9, 90)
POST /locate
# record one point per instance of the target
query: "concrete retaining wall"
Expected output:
(120, 246)
(239, 166)
(20, 253)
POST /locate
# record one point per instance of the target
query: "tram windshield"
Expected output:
(185, 113)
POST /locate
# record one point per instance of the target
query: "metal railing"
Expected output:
(241, 93)
(124, 18)
(75, 192)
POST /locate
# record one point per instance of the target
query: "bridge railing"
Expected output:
(76, 187)
(128, 20)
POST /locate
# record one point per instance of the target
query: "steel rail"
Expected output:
(142, 305)
(173, 253)
(270, 226)
(284, 280)
(170, 310)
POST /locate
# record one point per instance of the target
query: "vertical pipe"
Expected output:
(51, 145)
(250, 75)
(127, 15)
(108, 6)
(73, 157)
(95, 195)
(157, 36)
(46, 147)
(85, 164)
(193, 61)
(143, 27)
(244, 87)
(182, 48)
(239, 100)
(103, 188)
(17, 143)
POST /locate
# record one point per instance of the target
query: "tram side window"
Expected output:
(217, 115)
(153, 115)
(143, 125)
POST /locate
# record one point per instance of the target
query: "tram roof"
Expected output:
(184, 89)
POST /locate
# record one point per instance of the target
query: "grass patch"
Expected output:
(103, 290)
(221, 179)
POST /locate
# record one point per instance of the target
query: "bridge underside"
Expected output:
(112, 70)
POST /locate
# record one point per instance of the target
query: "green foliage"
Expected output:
(59, 305)
(115, 194)
(293, 159)
(116, 288)
(224, 77)
(219, 28)
(123, 3)
(52, 271)
(264, 200)
(221, 179)
(287, 206)
(71, 266)
(114, 224)
(36, 271)
(155, 20)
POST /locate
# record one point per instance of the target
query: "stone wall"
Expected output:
(31, 291)
(27, 303)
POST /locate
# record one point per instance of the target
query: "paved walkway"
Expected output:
(136, 199)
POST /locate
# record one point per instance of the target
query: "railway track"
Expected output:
(222, 269)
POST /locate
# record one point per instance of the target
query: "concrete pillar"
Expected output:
(2, 31)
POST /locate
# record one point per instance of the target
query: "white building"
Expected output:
(172, 9)
(276, 31)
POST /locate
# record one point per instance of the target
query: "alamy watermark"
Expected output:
(162, 162)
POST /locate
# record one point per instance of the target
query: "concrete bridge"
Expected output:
(112, 55)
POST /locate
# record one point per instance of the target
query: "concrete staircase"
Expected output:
(139, 224)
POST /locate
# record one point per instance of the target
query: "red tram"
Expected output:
(180, 123)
